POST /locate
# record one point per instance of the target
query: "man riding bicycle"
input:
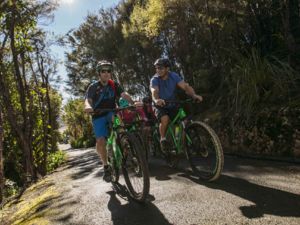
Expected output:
(163, 86)
(100, 95)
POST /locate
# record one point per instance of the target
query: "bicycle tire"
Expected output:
(140, 136)
(156, 143)
(204, 153)
(152, 145)
(134, 167)
(113, 165)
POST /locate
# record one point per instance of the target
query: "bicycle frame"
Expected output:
(205, 155)
(178, 121)
(112, 140)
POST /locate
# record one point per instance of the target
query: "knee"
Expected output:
(101, 142)
(164, 120)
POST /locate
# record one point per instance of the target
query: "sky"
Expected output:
(69, 15)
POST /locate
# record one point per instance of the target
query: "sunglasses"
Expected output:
(105, 71)
(159, 67)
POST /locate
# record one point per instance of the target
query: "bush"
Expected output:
(273, 133)
(83, 142)
(10, 188)
(55, 159)
(64, 137)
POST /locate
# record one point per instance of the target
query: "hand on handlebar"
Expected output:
(198, 98)
(89, 110)
(138, 104)
(160, 102)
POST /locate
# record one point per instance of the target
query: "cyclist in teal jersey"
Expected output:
(100, 95)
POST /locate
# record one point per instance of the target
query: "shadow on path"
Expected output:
(159, 169)
(85, 164)
(256, 166)
(266, 200)
(133, 213)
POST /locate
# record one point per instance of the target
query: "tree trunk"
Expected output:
(1, 158)
(24, 130)
(294, 17)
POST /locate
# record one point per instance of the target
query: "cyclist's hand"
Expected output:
(198, 98)
(160, 102)
(138, 104)
(89, 110)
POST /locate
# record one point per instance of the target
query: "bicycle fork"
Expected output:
(116, 151)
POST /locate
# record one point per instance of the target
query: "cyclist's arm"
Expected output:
(88, 105)
(155, 96)
(189, 90)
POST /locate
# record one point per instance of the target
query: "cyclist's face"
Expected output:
(105, 74)
(161, 70)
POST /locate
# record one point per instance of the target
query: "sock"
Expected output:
(163, 139)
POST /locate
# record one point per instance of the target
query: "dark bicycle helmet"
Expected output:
(162, 62)
(103, 64)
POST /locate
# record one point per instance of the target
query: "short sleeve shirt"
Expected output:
(107, 96)
(166, 87)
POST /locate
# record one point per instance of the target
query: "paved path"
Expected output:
(249, 192)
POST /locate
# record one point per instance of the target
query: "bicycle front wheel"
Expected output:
(204, 151)
(135, 168)
(112, 161)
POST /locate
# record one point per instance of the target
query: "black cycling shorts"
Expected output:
(161, 111)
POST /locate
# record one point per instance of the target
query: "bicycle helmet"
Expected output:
(123, 102)
(162, 62)
(103, 64)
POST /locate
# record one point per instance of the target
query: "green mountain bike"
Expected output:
(125, 153)
(194, 139)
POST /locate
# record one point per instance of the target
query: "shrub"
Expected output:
(55, 159)
(10, 188)
(83, 142)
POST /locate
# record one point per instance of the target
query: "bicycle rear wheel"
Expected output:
(135, 168)
(204, 151)
(153, 145)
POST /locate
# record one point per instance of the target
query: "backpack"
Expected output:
(111, 83)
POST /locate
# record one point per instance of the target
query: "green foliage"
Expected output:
(79, 126)
(242, 56)
(83, 142)
(55, 159)
(30, 105)
(12, 155)
(272, 133)
(64, 137)
(10, 188)
(146, 19)
(256, 82)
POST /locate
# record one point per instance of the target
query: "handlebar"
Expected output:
(100, 111)
(179, 102)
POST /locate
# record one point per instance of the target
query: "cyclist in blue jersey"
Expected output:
(163, 86)
(100, 95)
